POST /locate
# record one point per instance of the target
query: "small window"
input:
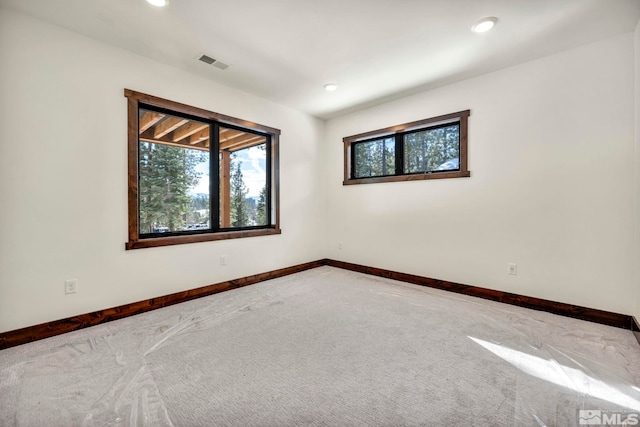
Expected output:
(427, 149)
(195, 175)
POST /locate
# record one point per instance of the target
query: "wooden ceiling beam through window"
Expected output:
(229, 134)
(237, 137)
(189, 129)
(175, 144)
(148, 119)
(168, 125)
(239, 144)
(200, 136)
(158, 128)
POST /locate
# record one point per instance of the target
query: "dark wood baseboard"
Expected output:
(46, 330)
(575, 311)
(635, 327)
(57, 327)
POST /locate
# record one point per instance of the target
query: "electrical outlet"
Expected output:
(223, 260)
(70, 286)
(340, 245)
(512, 269)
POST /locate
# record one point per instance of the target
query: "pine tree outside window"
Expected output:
(195, 175)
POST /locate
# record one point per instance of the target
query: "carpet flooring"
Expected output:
(326, 347)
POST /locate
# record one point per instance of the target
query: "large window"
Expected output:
(426, 149)
(195, 175)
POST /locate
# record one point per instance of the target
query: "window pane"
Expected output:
(173, 172)
(243, 179)
(374, 158)
(432, 150)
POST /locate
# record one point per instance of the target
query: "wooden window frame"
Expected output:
(460, 117)
(138, 100)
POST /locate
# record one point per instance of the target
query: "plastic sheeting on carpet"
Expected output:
(325, 347)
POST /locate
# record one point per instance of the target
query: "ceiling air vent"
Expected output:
(209, 60)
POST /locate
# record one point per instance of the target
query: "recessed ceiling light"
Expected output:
(158, 3)
(330, 87)
(485, 24)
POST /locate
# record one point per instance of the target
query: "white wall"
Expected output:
(637, 166)
(63, 170)
(552, 187)
(551, 146)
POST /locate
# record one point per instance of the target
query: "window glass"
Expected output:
(374, 158)
(173, 168)
(243, 179)
(432, 150)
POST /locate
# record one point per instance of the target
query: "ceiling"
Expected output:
(376, 50)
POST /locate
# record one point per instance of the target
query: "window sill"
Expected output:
(413, 177)
(195, 238)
